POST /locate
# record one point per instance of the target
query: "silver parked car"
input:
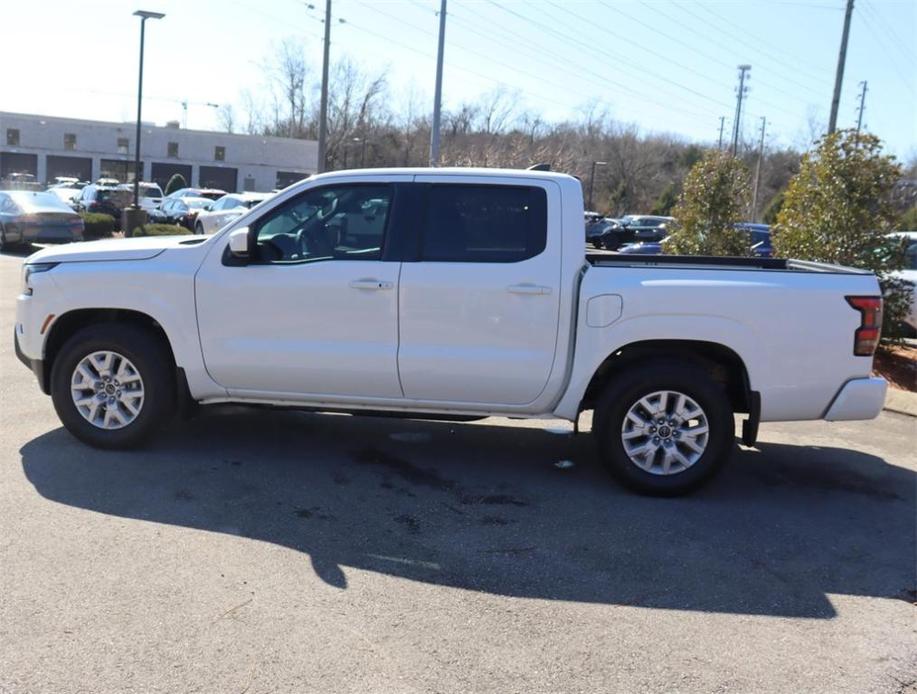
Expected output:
(36, 217)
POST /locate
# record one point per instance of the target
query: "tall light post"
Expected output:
(592, 180)
(138, 168)
(362, 141)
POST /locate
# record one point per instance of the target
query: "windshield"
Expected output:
(117, 197)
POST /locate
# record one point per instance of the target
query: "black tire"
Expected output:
(626, 389)
(149, 355)
(199, 229)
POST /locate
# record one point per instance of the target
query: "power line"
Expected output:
(584, 72)
(907, 81)
(693, 48)
(797, 69)
(896, 40)
(575, 41)
(505, 35)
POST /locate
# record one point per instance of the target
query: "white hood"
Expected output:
(140, 248)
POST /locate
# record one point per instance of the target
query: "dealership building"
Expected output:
(46, 147)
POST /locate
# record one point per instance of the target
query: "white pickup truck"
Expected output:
(448, 293)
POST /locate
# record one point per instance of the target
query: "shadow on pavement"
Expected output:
(482, 507)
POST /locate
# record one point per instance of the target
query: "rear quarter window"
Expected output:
(484, 223)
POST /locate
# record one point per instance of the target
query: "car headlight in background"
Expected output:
(29, 269)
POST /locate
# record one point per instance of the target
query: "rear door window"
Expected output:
(484, 223)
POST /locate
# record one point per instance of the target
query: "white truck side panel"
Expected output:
(793, 330)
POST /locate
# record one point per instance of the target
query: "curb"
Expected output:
(901, 402)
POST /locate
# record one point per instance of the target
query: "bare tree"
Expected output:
(226, 116)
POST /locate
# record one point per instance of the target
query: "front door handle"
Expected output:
(371, 284)
(528, 288)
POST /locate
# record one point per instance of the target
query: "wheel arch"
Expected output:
(67, 324)
(721, 363)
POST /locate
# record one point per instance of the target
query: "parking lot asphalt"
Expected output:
(257, 551)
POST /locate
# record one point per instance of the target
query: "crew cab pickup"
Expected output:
(449, 293)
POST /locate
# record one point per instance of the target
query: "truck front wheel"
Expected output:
(664, 428)
(112, 385)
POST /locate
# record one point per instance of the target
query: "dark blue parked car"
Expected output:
(759, 241)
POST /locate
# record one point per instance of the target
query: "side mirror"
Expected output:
(238, 243)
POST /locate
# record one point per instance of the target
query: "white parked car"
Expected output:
(909, 273)
(226, 209)
(456, 293)
(150, 194)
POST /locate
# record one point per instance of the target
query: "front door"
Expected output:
(314, 314)
(479, 312)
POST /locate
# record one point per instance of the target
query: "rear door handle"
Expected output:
(528, 289)
(371, 284)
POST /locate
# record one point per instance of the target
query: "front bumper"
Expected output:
(37, 366)
(859, 398)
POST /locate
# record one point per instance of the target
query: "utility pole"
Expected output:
(861, 108)
(592, 181)
(438, 92)
(323, 108)
(754, 198)
(740, 94)
(719, 145)
(839, 76)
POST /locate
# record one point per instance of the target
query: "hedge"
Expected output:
(97, 226)
(160, 230)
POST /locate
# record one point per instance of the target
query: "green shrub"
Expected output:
(908, 219)
(773, 208)
(97, 226)
(838, 209)
(666, 201)
(714, 195)
(177, 182)
(160, 230)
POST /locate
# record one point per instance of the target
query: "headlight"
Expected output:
(30, 269)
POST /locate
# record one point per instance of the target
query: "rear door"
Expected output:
(478, 310)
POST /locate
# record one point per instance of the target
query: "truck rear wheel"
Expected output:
(112, 385)
(664, 428)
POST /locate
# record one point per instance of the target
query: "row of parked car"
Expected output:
(646, 234)
(201, 210)
(29, 214)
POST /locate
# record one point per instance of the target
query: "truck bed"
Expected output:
(706, 262)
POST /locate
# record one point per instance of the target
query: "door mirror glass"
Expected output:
(238, 242)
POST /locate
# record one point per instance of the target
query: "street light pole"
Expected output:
(138, 167)
(592, 181)
(323, 103)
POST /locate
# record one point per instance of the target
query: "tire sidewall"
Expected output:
(625, 392)
(145, 351)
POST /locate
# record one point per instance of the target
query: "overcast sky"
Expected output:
(665, 66)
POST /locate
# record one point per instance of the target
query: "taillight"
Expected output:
(866, 337)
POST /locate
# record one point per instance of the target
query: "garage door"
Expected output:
(161, 172)
(222, 177)
(17, 162)
(78, 167)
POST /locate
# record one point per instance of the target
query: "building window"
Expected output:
(173, 150)
(69, 141)
(123, 145)
(219, 153)
(12, 137)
